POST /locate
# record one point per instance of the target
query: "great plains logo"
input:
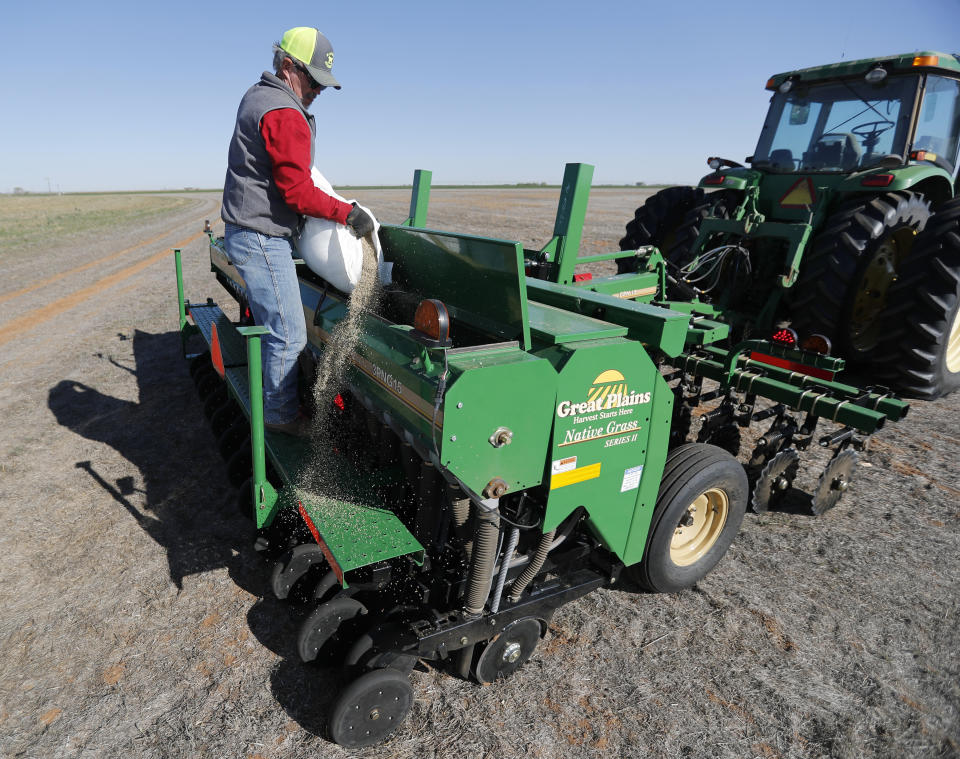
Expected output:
(608, 391)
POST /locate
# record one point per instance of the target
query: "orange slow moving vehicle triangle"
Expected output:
(799, 195)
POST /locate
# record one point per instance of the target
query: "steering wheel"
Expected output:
(871, 131)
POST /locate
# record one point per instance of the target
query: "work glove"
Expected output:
(359, 221)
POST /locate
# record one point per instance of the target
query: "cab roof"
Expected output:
(927, 60)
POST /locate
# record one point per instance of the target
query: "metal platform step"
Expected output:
(233, 347)
(352, 530)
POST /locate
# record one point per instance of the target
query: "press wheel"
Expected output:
(207, 384)
(293, 567)
(216, 400)
(508, 651)
(224, 417)
(245, 499)
(234, 437)
(202, 373)
(371, 708)
(200, 362)
(323, 625)
(240, 466)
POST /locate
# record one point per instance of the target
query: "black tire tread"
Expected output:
(924, 302)
(684, 463)
(821, 298)
(715, 205)
(656, 220)
(680, 463)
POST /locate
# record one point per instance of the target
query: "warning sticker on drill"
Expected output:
(631, 478)
(564, 465)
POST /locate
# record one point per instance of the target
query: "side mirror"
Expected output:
(799, 113)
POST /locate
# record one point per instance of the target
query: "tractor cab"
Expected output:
(877, 115)
(837, 127)
(848, 129)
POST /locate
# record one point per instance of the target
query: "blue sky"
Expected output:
(118, 96)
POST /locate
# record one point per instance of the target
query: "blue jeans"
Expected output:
(266, 265)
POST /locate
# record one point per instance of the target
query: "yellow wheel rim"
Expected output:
(953, 345)
(871, 295)
(699, 528)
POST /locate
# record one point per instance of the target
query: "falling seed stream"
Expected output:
(318, 482)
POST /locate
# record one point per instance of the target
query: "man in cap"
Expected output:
(267, 193)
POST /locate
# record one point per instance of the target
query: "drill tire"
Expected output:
(692, 471)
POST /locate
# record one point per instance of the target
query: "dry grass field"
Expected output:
(136, 621)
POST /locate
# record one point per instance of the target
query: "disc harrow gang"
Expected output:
(835, 480)
(775, 460)
(774, 480)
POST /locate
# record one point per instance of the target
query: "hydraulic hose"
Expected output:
(481, 560)
(564, 533)
(540, 556)
(504, 568)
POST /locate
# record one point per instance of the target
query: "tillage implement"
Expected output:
(508, 436)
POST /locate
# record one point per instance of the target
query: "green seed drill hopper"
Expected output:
(508, 437)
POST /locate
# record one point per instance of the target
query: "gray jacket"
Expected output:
(250, 198)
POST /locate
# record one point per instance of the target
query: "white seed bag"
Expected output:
(330, 249)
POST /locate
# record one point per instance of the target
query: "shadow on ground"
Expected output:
(185, 502)
(306, 692)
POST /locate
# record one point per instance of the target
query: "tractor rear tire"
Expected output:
(921, 347)
(702, 499)
(656, 222)
(715, 205)
(843, 285)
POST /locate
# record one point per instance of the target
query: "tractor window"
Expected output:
(839, 126)
(938, 125)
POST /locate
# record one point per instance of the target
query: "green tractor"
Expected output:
(844, 225)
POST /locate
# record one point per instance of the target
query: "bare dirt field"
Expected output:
(136, 620)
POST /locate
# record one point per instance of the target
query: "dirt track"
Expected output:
(136, 621)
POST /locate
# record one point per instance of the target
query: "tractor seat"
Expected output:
(834, 150)
(782, 158)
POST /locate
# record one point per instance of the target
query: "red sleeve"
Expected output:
(287, 138)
